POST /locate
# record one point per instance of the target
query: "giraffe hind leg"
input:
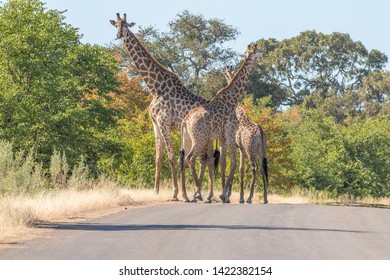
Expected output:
(253, 165)
(210, 167)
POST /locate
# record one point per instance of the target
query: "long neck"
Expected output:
(151, 71)
(234, 91)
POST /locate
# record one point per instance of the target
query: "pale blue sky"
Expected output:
(366, 21)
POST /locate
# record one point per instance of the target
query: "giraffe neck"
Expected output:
(234, 91)
(151, 71)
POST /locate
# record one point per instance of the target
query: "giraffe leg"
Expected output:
(191, 159)
(253, 167)
(222, 162)
(210, 167)
(229, 184)
(242, 172)
(171, 157)
(198, 194)
(159, 157)
(187, 143)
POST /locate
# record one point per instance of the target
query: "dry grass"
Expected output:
(19, 212)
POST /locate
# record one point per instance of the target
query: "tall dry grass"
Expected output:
(20, 211)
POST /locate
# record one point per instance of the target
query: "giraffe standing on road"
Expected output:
(251, 141)
(171, 100)
(215, 120)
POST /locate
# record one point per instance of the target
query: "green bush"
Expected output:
(352, 159)
(19, 172)
(368, 158)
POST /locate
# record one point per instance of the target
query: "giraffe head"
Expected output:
(253, 51)
(229, 73)
(121, 24)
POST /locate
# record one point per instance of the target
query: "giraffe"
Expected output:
(251, 141)
(215, 120)
(171, 100)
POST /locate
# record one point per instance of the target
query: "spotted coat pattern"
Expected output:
(251, 142)
(216, 120)
(171, 99)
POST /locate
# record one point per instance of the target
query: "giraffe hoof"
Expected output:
(173, 199)
(197, 197)
(249, 201)
(207, 201)
(224, 199)
(242, 201)
(265, 201)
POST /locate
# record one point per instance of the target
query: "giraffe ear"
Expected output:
(131, 24)
(113, 22)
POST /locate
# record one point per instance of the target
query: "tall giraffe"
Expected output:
(171, 100)
(215, 120)
(251, 141)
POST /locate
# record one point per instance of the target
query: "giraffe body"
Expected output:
(215, 120)
(171, 100)
(251, 142)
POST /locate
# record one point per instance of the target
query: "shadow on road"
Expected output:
(151, 227)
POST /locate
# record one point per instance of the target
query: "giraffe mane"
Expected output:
(232, 82)
(158, 64)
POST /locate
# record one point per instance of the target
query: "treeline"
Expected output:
(322, 99)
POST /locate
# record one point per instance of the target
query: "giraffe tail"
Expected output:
(181, 164)
(182, 151)
(265, 167)
(264, 162)
(217, 155)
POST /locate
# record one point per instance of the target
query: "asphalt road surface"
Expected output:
(217, 231)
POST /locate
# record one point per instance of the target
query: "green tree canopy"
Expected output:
(53, 89)
(312, 62)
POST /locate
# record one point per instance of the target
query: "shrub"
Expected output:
(353, 159)
(19, 173)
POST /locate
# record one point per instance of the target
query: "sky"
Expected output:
(366, 21)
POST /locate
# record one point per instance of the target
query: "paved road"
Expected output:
(218, 231)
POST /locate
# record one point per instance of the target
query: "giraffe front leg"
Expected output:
(159, 157)
(223, 169)
(233, 163)
(222, 162)
(198, 191)
(210, 167)
(242, 172)
(191, 159)
(171, 157)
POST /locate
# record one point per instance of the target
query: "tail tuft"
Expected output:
(265, 167)
(182, 153)
(217, 155)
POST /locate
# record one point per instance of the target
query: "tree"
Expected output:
(53, 89)
(348, 159)
(313, 63)
(369, 100)
(193, 47)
